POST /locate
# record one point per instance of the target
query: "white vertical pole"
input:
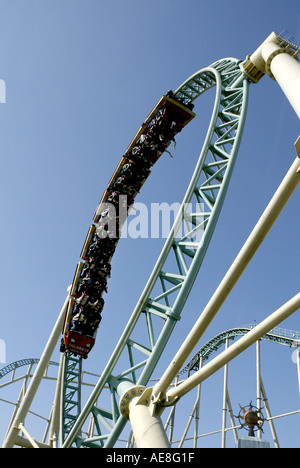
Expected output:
(298, 366)
(197, 409)
(269, 415)
(225, 400)
(21, 395)
(229, 406)
(36, 379)
(258, 381)
(55, 416)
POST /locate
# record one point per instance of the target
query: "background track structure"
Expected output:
(10, 376)
(277, 335)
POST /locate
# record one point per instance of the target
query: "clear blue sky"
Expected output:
(80, 77)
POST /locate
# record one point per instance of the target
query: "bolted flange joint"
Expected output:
(127, 397)
(277, 52)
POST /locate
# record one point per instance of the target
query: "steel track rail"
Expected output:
(277, 335)
(168, 288)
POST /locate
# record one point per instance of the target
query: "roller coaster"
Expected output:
(163, 298)
(153, 138)
(21, 371)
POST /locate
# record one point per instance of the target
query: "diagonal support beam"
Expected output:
(280, 198)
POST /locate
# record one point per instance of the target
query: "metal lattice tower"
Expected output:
(167, 289)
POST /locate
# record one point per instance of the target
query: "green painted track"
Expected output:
(162, 301)
(277, 335)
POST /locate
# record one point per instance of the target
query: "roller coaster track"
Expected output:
(168, 287)
(15, 365)
(280, 336)
(277, 335)
(159, 308)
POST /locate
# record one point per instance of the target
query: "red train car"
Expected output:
(78, 344)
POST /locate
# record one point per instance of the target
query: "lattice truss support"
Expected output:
(163, 298)
(190, 433)
(71, 402)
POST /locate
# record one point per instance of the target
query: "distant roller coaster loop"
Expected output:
(280, 336)
(284, 337)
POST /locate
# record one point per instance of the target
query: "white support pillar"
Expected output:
(147, 429)
(237, 348)
(269, 416)
(182, 440)
(285, 69)
(36, 379)
(277, 58)
(233, 424)
(197, 408)
(258, 381)
(135, 405)
(264, 224)
(56, 408)
(298, 367)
